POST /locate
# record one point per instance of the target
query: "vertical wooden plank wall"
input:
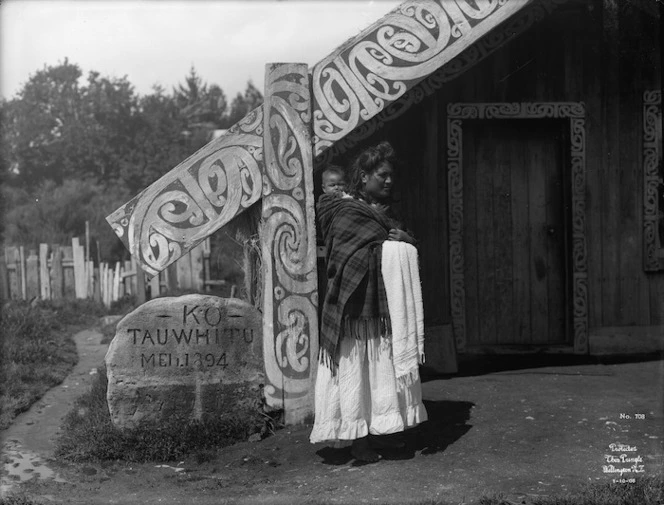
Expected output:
(288, 243)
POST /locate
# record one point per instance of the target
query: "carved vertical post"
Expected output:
(288, 244)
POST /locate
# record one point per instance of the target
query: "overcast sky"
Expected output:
(157, 41)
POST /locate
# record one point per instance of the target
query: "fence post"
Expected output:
(32, 275)
(197, 280)
(154, 287)
(80, 280)
(44, 275)
(140, 285)
(24, 280)
(68, 271)
(57, 275)
(4, 279)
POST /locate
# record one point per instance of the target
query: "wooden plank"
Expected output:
(550, 142)
(206, 263)
(184, 271)
(129, 280)
(24, 287)
(539, 313)
(172, 278)
(32, 275)
(57, 274)
(68, 272)
(140, 286)
(97, 285)
(116, 281)
(14, 278)
(155, 289)
(486, 251)
(120, 280)
(80, 277)
(44, 274)
(595, 159)
(521, 246)
(89, 269)
(471, 158)
(4, 280)
(502, 226)
(103, 282)
(197, 275)
(610, 169)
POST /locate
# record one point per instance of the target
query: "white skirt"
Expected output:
(364, 397)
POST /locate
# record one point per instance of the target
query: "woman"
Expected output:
(358, 395)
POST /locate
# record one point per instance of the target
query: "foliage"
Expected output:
(76, 149)
(37, 354)
(243, 104)
(55, 213)
(89, 435)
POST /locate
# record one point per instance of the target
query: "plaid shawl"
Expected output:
(353, 232)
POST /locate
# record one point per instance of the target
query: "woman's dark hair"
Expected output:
(368, 161)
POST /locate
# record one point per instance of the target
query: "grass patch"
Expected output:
(38, 351)
(88, 433)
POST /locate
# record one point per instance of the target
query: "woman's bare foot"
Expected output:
(385, 442)
(363, 452)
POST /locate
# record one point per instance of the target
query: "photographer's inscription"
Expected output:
(189, 356)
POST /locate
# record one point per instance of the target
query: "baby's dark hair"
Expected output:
(368, 161)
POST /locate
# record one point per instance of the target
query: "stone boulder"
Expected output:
(194, 357)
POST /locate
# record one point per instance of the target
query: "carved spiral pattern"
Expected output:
(368, 74)
(287, 238)
(470, 56)
(652, 157)
(575, 112)
(196, 198)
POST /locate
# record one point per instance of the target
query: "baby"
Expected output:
(334, 181)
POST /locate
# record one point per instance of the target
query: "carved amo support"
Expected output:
(203, 193)
(371, 71)
(288, 243)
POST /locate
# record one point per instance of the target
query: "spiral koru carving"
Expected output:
(370, 72)
(196, 198)
(288, 240)
(575, 113)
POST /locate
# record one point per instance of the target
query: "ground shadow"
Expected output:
(472, 365)
(448, 422)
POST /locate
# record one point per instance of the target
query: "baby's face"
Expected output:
(333, 183)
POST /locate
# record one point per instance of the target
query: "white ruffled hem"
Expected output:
(365, 397)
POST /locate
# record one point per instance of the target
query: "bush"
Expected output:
(88, 433)
(37, 354)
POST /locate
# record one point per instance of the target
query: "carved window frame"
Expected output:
(575, 113)
(653, 182)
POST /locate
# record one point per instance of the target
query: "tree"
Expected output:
(56, 129)
(243, 104)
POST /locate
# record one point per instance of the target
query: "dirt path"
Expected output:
(28, 443)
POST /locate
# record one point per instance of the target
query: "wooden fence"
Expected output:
(55, 272)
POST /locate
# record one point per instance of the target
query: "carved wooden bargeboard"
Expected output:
(203, 193)
(288, 242)
(371, 71)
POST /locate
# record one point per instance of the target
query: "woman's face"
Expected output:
(378, 184)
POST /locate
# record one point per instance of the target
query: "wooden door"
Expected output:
(515, 202)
